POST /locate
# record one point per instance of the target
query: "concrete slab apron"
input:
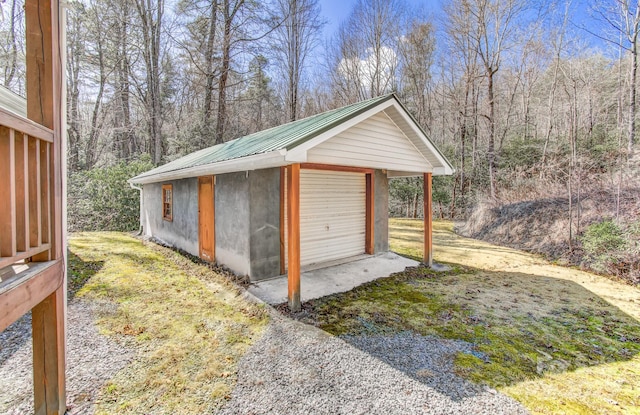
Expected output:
(333, 279)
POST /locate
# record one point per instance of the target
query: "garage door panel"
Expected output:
(347, 239)
(316, 252)
(332, 215)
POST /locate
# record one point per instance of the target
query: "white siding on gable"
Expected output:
(374, 143)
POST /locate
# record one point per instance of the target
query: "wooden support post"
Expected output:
(293, 236)
(45, 106)
(427, 257)
(370, 218)
(49, 355)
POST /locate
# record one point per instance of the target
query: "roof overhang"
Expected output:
(435, 162)
(255, 162)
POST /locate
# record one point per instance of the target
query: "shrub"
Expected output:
(100, 199)
(603, 237)
(604, 243)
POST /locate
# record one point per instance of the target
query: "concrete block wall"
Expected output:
(248, 222)
(264, 188)
(381, 212)
(182, 232)
(232, 215)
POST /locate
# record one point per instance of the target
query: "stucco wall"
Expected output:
(182, 232)
(232, 215)
(381, 212)
(264, 244)
(247, 215)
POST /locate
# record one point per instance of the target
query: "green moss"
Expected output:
(576, 333)
(193, 325)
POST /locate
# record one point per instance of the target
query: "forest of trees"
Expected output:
(525, 99)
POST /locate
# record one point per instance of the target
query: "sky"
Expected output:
(336, 11)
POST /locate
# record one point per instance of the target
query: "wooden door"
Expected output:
(206, 218)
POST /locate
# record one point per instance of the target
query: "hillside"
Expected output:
(542, 226)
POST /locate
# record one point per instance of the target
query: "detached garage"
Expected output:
(302, 195)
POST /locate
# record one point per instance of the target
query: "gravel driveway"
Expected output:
(92, 359)
(294, 369)
(298, 369)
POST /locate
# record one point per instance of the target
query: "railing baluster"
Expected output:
(22, 194)
(34, 192)
(7, 193)
(45, 200)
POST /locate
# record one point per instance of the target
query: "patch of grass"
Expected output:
(190, 325)
(406, 234)
(79, 272)
(548, 342)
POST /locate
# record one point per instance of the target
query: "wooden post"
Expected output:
(44, 73)
(293, 236)
(427, 257)
(369, 247)
(48, 355)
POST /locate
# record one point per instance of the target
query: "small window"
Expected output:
(167, 202)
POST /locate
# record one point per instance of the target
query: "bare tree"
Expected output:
(99, 59)
(417, 53)
(76, 50)
(294, 40)
(366, 57)
(11, 65)
(623, 16)
(151, 14)
(491, 27)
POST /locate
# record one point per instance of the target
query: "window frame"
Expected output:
(168, 217)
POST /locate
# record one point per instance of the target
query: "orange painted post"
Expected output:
(293, 236)
(428, 225)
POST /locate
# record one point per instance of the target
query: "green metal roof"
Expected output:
(286, 136)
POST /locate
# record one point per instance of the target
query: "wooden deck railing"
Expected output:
(26, 189)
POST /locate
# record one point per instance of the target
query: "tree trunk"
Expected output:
(221, 118)
(151, 15)
(491, 154)
(632, 95)
(13, 48)
(210, 76)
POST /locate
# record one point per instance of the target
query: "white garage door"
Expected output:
(332, 215)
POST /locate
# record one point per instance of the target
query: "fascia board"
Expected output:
(255, 162)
